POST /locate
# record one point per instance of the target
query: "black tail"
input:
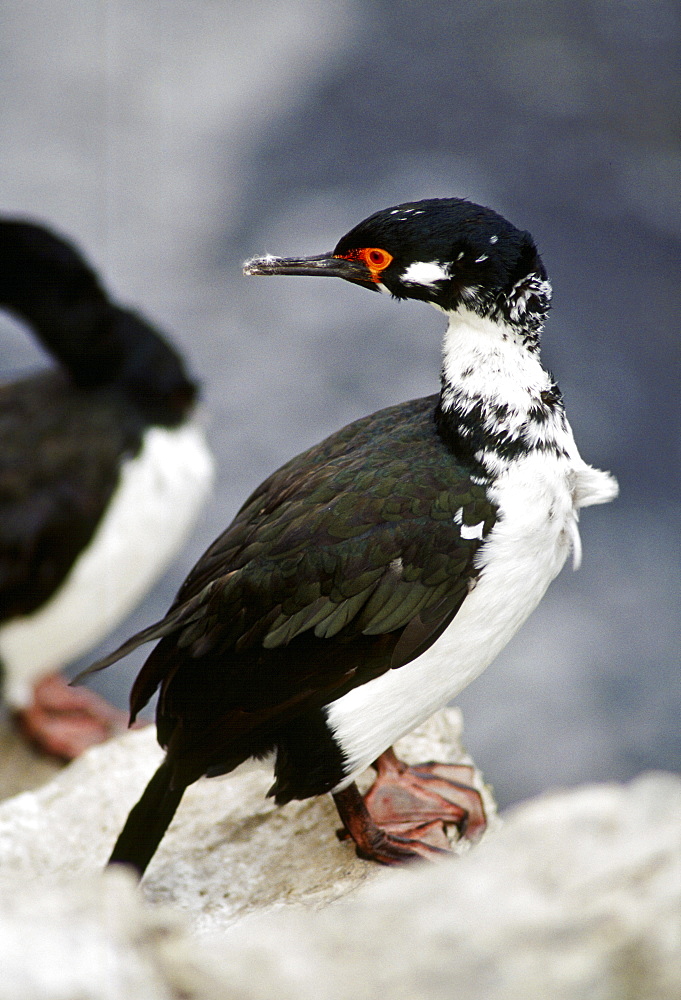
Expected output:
(148, 821)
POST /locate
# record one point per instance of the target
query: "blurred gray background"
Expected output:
(174, 139)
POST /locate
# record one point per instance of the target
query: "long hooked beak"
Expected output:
(325, 265)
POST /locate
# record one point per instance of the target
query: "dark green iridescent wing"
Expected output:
(346, 540)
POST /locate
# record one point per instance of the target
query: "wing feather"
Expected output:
(357, 539)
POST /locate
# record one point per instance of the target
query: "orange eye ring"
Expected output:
(375, 259)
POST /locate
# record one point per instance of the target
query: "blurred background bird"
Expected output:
(102, 473)
(171, 140)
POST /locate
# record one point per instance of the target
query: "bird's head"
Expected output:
(445, 251)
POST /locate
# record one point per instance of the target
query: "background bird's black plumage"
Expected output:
(52, 496)
(68, 438)
(65, 433)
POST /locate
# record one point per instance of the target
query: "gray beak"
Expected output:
(325, 265)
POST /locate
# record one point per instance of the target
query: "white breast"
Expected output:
(486, 366)
(151, 512)
(525, 550)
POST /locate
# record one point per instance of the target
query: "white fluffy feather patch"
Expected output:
(425, 273)
(158, 497)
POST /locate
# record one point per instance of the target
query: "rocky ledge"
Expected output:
(576, 894)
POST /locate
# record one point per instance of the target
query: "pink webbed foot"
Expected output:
(413, 806)
(64, 722)
(377, 844)
(406, 796)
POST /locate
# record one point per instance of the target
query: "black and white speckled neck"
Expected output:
(497, 402)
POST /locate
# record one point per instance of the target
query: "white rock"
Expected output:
(91, 938)
(229, 851)
(577, 896)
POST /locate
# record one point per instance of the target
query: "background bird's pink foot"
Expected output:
(64, 722)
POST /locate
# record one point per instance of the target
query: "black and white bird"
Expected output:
(103, 470)
(372, 577)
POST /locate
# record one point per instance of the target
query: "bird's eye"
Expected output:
(377, 260)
